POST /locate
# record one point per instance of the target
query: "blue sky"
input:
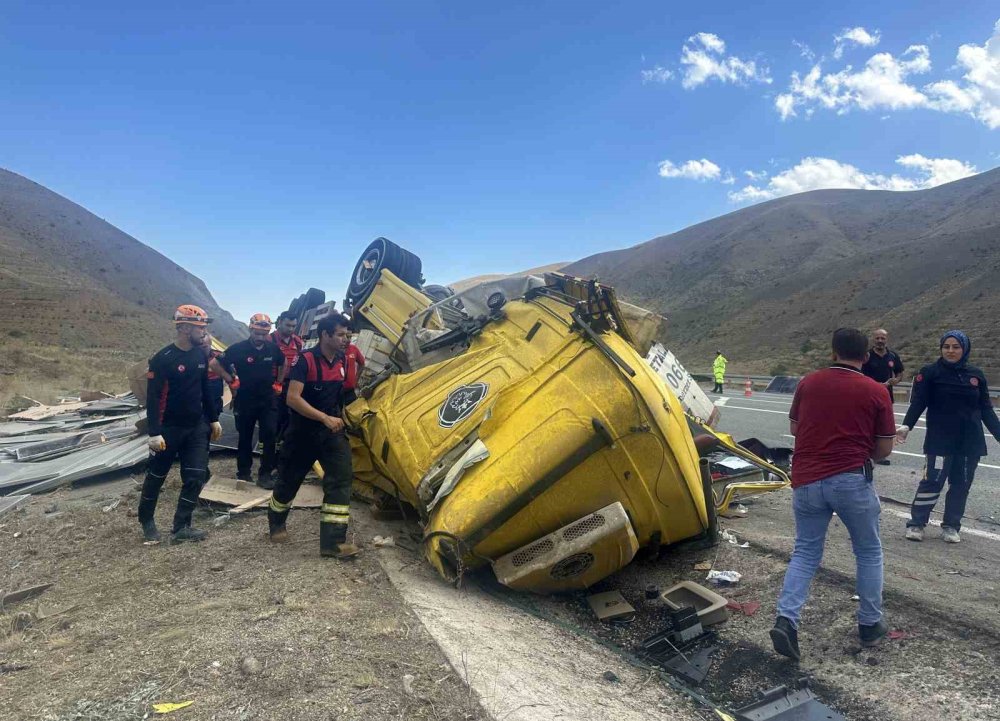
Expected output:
(262, 145)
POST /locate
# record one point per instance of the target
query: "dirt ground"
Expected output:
(943, 665)
(244, 629)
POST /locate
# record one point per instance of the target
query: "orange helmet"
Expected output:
(261, 321)
(192, 315)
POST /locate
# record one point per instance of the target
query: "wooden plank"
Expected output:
(231, 492)
(250, 504)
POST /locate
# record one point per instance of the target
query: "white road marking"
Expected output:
(969, 531)
(906, 453)
(759, 410)
(721, 401)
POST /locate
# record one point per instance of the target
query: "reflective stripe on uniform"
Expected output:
(277, 506)
(334, 508)
(334, 518)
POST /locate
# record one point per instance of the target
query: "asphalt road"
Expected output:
(962, 579)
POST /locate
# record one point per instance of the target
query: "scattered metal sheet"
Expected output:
(54, 448)
(46, 475)
(10, 503)
(782, 704)
(17, 428)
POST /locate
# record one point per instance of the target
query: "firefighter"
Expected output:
(316, 433)
(355, 361)
(290, 346)
(958, 405)
(719, 371)
(181, 416)
(260, 372)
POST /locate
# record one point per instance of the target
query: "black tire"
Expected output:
(313, 297)
(437, 293)
(381, 254)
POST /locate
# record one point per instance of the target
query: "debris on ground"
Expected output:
(784, 704)
(163, 708)
(724, 578)
(611, 606)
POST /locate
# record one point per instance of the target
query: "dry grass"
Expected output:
(157, 623)
(47, 372)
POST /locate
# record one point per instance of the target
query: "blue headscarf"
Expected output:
(963, 340)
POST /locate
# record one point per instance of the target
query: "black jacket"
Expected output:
(958, 404)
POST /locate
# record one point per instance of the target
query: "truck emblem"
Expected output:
(460, 404)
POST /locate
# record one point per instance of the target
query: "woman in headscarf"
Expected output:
(957, 401)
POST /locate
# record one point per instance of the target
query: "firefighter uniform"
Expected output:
(307, 441)
(290, 348)
(255, 404)
(957, 401)
(179, 402)
(355, 360)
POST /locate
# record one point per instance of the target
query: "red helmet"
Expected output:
(261, 321)
(192, 315)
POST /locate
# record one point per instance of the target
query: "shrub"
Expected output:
(778, 370)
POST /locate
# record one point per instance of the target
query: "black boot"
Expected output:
(187, 533)
(785, 638)
(266, 480)
(873, 634)
(149, 532)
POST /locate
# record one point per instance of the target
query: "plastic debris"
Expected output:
(383, 541)
(171, 707)
(731, 538)
(408, 680)
(897, 635)
(703, 566)
(724, 578)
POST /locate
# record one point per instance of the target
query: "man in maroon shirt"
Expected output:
(841, 420)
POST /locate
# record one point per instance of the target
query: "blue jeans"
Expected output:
(852, 497)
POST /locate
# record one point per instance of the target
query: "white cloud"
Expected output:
(703, 57)
(693, 169)
(729, 179)
(805, 51)
(886, 82)
(882, 83)
(822, 173)
(979, 95)
(659, 74)
(854, 36)
(759, 175)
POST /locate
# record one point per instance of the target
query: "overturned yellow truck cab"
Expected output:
(525, 428)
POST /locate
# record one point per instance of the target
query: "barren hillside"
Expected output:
(69, 278)
(769, 283)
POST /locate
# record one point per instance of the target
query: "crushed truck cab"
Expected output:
(525, 428)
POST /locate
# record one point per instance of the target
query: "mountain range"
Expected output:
(768, 284)
(69, 279)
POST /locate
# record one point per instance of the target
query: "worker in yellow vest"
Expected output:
(719, 371)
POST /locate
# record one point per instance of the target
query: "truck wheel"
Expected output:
(381, 254)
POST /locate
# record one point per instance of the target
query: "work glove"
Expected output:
(157, 444)
(216, 431)
(277, 388)
(234, 385)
